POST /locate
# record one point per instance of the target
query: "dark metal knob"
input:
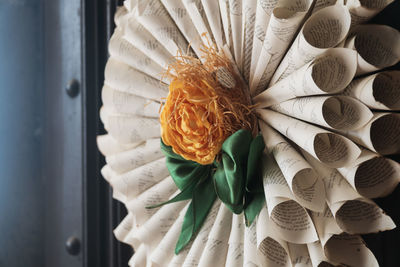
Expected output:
(72, 88)
(73, 245)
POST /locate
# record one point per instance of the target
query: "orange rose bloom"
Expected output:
(191, 121)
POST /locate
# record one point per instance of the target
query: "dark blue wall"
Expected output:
(21, 93)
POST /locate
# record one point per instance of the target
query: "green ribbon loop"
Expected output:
(236, 181)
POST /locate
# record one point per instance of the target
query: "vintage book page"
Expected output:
(235, 13)
(304, 183)
(109, 146)
(249, 18)
(324, 29)
(329, 73)
(335, 112)
(235, 253)
(377, 91)
(284, 23)
(363, 10)
(329, 148)
(378, 47)
(131, 159)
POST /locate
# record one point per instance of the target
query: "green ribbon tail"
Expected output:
(253, 208)
(203, 199)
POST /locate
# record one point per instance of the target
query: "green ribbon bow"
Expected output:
(236, 180)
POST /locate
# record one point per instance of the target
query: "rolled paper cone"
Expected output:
(157, 226)
(377, 91)
(120, 76)
(164, 252)
(123, 229)
(299, 255)
(130, 129)
(250, 252)
(324, 29)
(263, 15)
(215, 251)
(329, 73)
(381, 134)
(236, 16)
(304, 183)
(124, 51)
(349, 250)
(211, 9)
(362, 11)
(155, 18)
(139, 258)
(329, 148)
(335, 112)
(291, 221)
(235, 252)
(179, 14)
(139, 37)
(226, 22)
(249, 16)
(372, 175)
(109, 146)
(362, 216)
(317, 255)
(378, 47)
(320, 4)
(120, 14)
(156, 194)
(286, 18)
(121, 102)
(193, 257)
(109, 175)
(134, 182)
(274, 251)
(136, 157)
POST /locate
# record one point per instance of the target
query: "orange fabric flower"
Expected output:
(191, 121)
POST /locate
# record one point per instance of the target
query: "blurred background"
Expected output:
(55, 208)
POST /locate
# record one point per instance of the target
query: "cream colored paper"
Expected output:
(317, 255)
(198, 15)
(304, 183)
(136, 157)
(249, 16)
(215, 251)
(193, 257)
(335, 112)
(320, 4)
(263, 15)
(179, 14)
(235, 253)
(211, 8)
(274, 251)
(124, 78)
(134, 182)
(156, 194)
(377, 91)
(363, 10)
(250, 251)
(329, 148)
(226, 23)
(109, 146)
(139, 37)
(286, 19)
(329, 73)
(121, 102)
(109, 175)
(372, 175)
(354, 214)
(154, 229)
(155, 18)
(235, 12)
(129, 129)
(139, 259)
(378, 47)
(324, 29)
(381, 134)
(289, 219)
(124, 51)
(124, 227)
(299, 255)
(164, 252)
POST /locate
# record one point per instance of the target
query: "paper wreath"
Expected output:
(274, 120)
